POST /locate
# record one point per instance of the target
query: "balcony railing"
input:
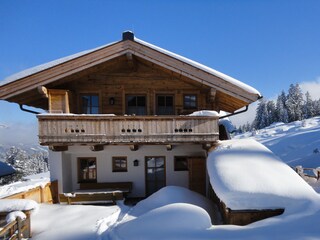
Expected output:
(103, 129)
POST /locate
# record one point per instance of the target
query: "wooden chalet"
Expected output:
(119, 113)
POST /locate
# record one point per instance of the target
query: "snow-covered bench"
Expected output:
(91, 197)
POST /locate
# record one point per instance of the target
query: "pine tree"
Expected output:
(271, 109)
(281, 108)
(261, 119)
(295, 103)
(308, 108)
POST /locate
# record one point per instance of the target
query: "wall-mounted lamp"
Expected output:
(136, 163)
(111, 101)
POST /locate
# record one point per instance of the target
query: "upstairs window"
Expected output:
(136, 105)
(87, 170)
(90, 104)
(119, 164)
(190, 101)
(165, 105)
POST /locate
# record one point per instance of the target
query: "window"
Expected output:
(181, 164)
(87, 170)
(136, 105)
(165, 105)
(190, 101)
(119, 164)
(89, 103)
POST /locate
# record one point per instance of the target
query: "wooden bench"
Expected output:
(125, 187)
(98, 192)
(90, 197)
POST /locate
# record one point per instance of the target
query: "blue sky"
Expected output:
(267, 44)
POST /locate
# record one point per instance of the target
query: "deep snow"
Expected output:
(176, 214)
(295, 143)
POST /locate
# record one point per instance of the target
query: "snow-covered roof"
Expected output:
(246, 175)
(202, 67)
(209, 70)
(6, 169)
(42, 67)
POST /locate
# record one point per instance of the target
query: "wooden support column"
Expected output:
(58, 148)
(169, 147)
(96, 148)
(134, 147)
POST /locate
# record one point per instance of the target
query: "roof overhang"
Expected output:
(11, 90)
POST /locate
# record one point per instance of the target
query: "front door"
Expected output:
(197, 174)
(155, 174)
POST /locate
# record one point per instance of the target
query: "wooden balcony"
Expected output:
(68, 129)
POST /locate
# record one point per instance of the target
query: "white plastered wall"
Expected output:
(135, 174)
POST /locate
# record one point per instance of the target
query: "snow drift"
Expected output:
(246, 175)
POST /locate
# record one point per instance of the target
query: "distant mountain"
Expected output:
(26, 159)
(296, 143)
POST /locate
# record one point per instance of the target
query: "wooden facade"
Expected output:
(128, 93)
(78, 129)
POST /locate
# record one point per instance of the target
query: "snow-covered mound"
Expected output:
(296, 143)
(247, 175)
(176, 210)
(173, 218)
(169, 195)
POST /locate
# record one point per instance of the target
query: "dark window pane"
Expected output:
(180, 164)
(190, 101)
(169, 101)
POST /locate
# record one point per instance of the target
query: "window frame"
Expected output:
(81, 107)
(136, 95)
(157, 103)
(180, 169)
(80, 172)
(190, 107)
(119, 169)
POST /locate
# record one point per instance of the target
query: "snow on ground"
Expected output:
(68, 222)
(29, 182)
(296, 143)
(247, 175)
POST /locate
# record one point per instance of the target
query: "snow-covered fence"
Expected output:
(41, 194)
(16, 229)
(308, 172)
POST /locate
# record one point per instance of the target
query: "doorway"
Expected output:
(155, 174)
(197, 174)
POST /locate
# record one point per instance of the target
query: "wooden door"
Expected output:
(197, 174)
(155, 174)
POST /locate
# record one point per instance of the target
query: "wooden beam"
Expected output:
(134, 147)
(206, 146)
(96, 148)
(43, 91)
(212, 95)
(169, 147)
(61, 148)
(131, 61)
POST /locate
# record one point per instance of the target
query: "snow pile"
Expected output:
(10, 205)
(247, 175)
(174, 209)
(33, 181)
(170, 195)
(68, 222)
(204, 113)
